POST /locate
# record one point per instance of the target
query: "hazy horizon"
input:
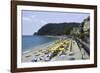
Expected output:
(32, 21)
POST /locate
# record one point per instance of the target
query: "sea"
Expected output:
(31, 42)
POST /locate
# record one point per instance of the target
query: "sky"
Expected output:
(32, 21)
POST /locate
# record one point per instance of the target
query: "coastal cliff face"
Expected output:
(86, 25)
(57, 29)
(85, 29)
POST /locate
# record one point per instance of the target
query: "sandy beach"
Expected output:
(62, 49)
(30, 54)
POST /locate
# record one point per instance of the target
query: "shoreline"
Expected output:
(39, 47)
(28, 56)
(34, 48)
(54, 51)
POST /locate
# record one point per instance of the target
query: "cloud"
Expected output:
(32, 16)
(43, 22)
(34, 19)
(26, 19)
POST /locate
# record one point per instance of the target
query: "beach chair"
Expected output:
(34, 60)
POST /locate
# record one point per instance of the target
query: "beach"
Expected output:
(61, 49)
(29, 55)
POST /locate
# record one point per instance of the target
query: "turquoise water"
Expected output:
(29, 42)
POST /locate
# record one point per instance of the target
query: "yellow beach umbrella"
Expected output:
(61, 49)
